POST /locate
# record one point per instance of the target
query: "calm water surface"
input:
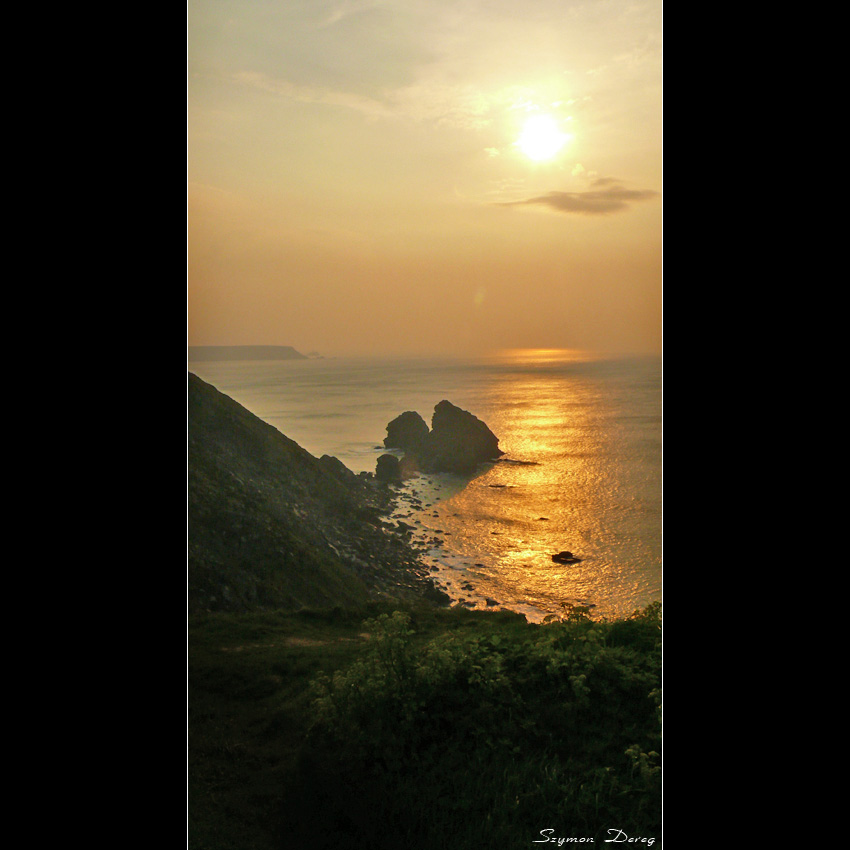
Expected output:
(582, 469)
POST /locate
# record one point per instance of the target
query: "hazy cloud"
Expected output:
(430, 99)
(609, 197)
(346, 9)
(312, 94)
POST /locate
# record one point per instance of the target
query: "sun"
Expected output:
(541, 138)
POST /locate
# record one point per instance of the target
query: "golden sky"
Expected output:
(424, 176)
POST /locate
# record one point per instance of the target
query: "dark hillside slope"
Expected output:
(269, 525)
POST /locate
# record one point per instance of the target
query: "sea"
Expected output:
(581, 473)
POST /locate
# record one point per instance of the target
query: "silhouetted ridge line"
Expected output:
(244, 352)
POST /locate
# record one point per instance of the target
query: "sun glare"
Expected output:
(541, 138)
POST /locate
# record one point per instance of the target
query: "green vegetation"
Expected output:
(421, 728)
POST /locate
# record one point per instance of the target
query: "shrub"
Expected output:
(471, 737)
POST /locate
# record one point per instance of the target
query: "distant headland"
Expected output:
(244, 352)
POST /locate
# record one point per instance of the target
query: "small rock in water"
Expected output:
(565, 558)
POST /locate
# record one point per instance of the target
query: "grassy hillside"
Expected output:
(421, 728)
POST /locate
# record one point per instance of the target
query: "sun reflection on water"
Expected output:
(531, 356)
(560, 486)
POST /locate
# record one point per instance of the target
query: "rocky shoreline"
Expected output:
(456, 449)
(272, 526)
(416, 513)
(269, 525)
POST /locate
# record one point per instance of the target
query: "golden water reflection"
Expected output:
(562, 485)
(527, 356)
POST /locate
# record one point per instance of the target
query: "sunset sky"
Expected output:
(424, 176)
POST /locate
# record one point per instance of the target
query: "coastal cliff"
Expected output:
(244, 352)
(271, 526)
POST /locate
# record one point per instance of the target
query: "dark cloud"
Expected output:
(609, 197)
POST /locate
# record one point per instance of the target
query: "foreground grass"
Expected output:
(420, 728)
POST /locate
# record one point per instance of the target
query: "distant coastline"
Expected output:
(244, 352)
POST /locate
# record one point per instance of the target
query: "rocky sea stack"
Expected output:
(407, 431)
(457, 442)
